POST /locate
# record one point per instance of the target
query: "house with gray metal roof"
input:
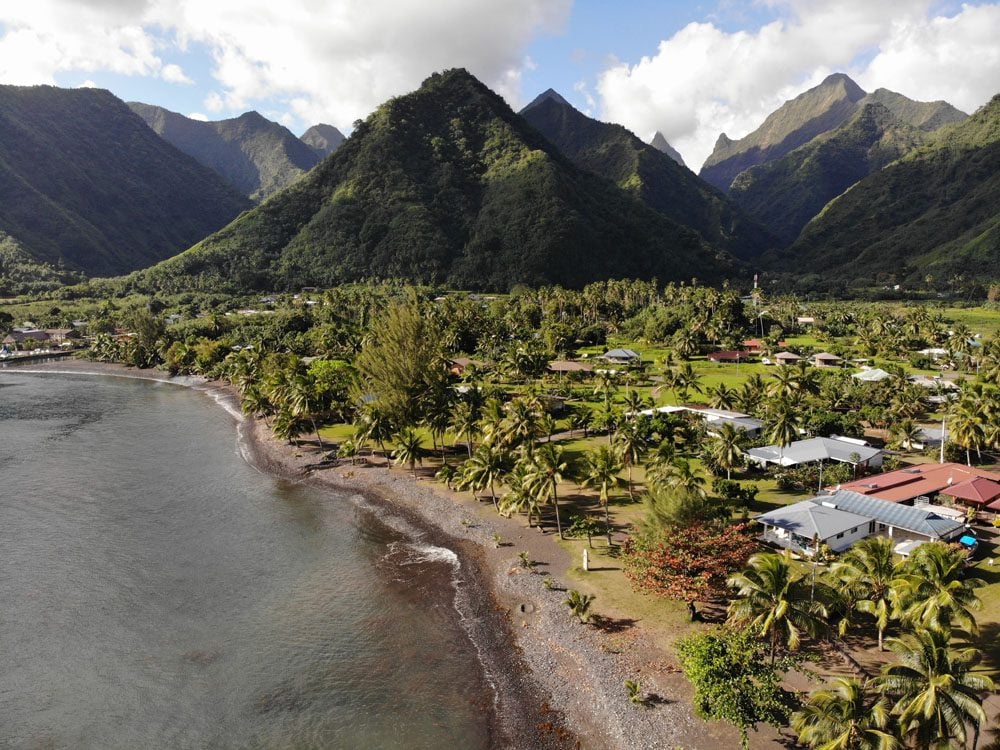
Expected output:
(845, 517)
(834, 448)
(621, 356)
(804, 526)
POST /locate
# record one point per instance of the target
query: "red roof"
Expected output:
(979, 490)
(727, 356)
(913, 481)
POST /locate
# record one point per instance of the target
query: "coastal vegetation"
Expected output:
(474, 389)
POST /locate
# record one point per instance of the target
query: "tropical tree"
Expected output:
(606, 386)
(546, 472)
(936, 693)
(409, 449)
(486, 467)
(630, 441)
(845, 716)
(680, 475)
(726, 448)
(301, 400)
(905, 434)
(733, 681)
(868, 574)
(721, 397)
(465, 423)
(933, 590)
(773, 603)
(601, 470)
(782, 424)
(520, 496)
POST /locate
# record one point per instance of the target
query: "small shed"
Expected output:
(621, 356)
(825, 359)
(728, 356)
(871, 375)
(786, 358)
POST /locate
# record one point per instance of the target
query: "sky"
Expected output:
(689, 69)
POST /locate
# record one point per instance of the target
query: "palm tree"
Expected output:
(581, 419)
(601, 470)
(521, 423)
(932, 592)
(520, 495)
(686, 379)
(935, 691)
(967, 428)
(773, 603)
(300, 397)
(630, 442)
(409, 449)
(486, 467)
(782, 425)
(679, 474)
(905, 434)
(606, 387)
(727, 448)
(546, 472)
(465, 423)
(844, 716)
(867, 573)
(633, 402)
(721, 397)
(579, 604)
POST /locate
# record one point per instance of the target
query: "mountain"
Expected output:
(661, 144)
(935, 211)
(85, 185)
(786, 193)
(444, 185)
(545, 96)
(323, 139)
(795, 122)
(661, 183)
(254, 155)
(926, 116)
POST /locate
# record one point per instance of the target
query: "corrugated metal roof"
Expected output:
(813, 449)
(809, 519)
(918, 520)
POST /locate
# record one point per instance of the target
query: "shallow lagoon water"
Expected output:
(156, 590)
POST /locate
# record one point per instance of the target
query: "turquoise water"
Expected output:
(160, 592)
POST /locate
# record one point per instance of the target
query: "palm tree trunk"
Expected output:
(881, 632)
(607, 520)
(493, 495)
(555, 502)
(630, 495)
(317, 432)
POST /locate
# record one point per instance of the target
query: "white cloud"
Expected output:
(703, 81)
(172, 73)
(88, 84)
(198, 116)
(329, 60)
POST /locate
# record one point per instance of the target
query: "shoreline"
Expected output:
(556, 683)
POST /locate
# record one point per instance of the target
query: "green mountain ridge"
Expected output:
(936, 211)
(812, 113)
(785, 194)
(443, 185)
(87, 186)
(796, 122)
(256, 156)
(615, 153)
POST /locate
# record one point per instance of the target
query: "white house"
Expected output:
(834, 448)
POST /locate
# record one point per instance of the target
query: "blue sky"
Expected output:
(689, 69)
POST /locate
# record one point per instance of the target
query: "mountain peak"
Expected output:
(323, 139)
(797, 121)
(660, 143)
(546, 96)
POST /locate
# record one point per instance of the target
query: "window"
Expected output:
(840, 535)
(854, 530)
